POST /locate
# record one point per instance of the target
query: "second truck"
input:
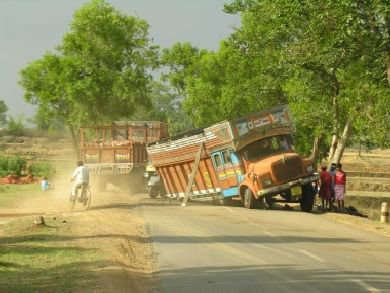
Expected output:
(116, 153)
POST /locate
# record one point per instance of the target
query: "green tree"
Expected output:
(47, 123)
(3, 111)
(100, 72)
(16, 125)
(182, 62)
(166, 106)
(326, 56)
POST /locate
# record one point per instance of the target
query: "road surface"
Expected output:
(205, 248)
(159, 246)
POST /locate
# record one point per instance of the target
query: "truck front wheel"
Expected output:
(307, 199)
(249, 199)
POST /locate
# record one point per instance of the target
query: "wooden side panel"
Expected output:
(90, 156)
(175, 177)
(107, 155)
(183, 177)
(139, 153)
(122, 155)
(168, 183)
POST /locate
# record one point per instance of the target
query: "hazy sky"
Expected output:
(29, 28)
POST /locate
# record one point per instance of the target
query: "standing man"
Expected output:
(325, 187)
(332, 173)
(80, 177)
(339, 187)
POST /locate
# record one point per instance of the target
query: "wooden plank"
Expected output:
(192, 175)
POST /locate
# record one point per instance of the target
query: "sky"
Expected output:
(29, 28)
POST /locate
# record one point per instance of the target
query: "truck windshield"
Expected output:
(267, 147)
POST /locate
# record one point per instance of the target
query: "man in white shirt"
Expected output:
(80, 177)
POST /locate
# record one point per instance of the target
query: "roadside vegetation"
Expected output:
(16, 170)
(45, 258)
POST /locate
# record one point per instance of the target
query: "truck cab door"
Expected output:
(228, 169)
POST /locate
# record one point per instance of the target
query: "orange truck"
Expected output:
(252, 158)
(116, 153)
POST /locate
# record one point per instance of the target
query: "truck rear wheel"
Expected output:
(249, 199)
(307, 199)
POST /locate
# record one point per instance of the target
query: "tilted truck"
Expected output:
(116, 153)
(251, 157)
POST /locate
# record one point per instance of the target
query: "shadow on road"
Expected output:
(271, 278)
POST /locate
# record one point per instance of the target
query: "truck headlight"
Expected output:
(267, 182)
(309, 169)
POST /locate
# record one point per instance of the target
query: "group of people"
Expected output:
(332, 186)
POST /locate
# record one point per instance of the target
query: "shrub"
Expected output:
(41, 169)
(16, 165)
(3, 166)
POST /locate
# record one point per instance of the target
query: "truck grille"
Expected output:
(287, 169)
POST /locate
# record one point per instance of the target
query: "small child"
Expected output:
(44, 184)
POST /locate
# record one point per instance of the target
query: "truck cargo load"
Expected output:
(251, 158)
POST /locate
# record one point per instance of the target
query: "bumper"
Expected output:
(288, 185)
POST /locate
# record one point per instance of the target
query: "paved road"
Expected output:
(203, 248)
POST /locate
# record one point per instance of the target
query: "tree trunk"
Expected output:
(75, 141)
(333, 147)
(336, 126)
(315, 154)
(343, 141)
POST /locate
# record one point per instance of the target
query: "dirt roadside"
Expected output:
(114, 227)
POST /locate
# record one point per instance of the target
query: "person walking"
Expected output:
(44, 184)
(339, 187)
(80, 177)
(325, 188)
(332, 173)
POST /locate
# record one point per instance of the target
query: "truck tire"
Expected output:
(153, 191)
(307, 199)
(249, 199)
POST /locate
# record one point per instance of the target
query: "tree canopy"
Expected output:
(329, 60)
(99, 72)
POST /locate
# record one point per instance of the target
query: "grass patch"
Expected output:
(46, 258)
(10, 193)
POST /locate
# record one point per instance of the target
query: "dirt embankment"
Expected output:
(368, 180)
(117, 257)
